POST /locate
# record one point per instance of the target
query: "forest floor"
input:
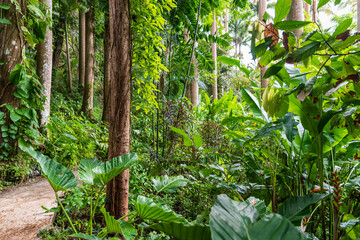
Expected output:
(21, 214)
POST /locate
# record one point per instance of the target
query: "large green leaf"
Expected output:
(59, 177)
(230, 219)
(306, 51)
(169, 184)
(184, 231)
(253, 103)
(322, 3)
(343, 26)
(274, 227)
(274, 69)
(187, 139)
(290, 25)
(228, 61)
(241, 221)
(119, 226)
(4, 21)
(282, 8)
(296, 208)
(86, 173)
(110, 169)
(148, 209)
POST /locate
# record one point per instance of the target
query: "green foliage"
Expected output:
(169, 184)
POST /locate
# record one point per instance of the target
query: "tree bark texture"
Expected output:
(262, 10)
(107, 61)
(88, 96)
(296, 13)
(44, 67)
(314, 11)
(226, 20)
(214, 55)
(120, 99)
(12, 43)
(82, 45)
(68, 56)
(58, 43)
(188, 86)
(195, 85)
(358, 16)
(306, 8)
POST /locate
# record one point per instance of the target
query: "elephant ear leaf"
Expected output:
(110, 169)
(273, 227)
(148, 209)
(86, 173)
(230, 219)
(119, 226)
(184, 231)
(59, 177)
(169, 184)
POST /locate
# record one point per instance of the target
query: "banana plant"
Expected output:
(92, 172)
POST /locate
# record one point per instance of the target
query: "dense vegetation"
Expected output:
(219, 149)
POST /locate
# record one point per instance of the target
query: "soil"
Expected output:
(21, 214)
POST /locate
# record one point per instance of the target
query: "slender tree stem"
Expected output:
(193, 48)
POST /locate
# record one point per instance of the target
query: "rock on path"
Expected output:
(21, 215)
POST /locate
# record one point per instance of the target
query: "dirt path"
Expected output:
(21, 215)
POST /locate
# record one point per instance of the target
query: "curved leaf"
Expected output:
(230, 219)
(290, 25)
(119, 226)
(184, 231)
(148, 209)
(296, 208)
(274, 227)
(86, 166)
(110, 169)
(59, 177)
(239, 221)
(169, 184)
(253, 103)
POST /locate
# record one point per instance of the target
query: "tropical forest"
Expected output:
(180, 119)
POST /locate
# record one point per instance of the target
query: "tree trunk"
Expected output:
(82, 43)
(296, 13)
(107, 52)
(194, 84)
(214, 55)
(226, 20)
(306, 8)
(87, 104)
(120, 99)
(262, 10)
(314, 11)
(12, 43)
(68, 55)
(188, 86)
(44, 67)
(358, 17)
(59, 42)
